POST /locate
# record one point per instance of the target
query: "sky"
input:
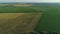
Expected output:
(29, 0)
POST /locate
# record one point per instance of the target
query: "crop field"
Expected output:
(13, 9)
(16, 23)
(36, 18)
(50, 20)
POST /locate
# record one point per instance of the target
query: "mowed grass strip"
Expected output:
(22, 22)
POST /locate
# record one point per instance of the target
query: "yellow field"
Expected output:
(10, 15)
(15, 4)
(11, 23)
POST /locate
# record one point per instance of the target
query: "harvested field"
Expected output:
(11, 23)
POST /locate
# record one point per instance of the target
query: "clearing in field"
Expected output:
(11, 23)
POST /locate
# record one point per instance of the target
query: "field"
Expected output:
(47, 20)
(50, 21)
(12, 9)
(11, 23)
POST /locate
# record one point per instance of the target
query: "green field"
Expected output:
(50, 21)
(12, 9)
